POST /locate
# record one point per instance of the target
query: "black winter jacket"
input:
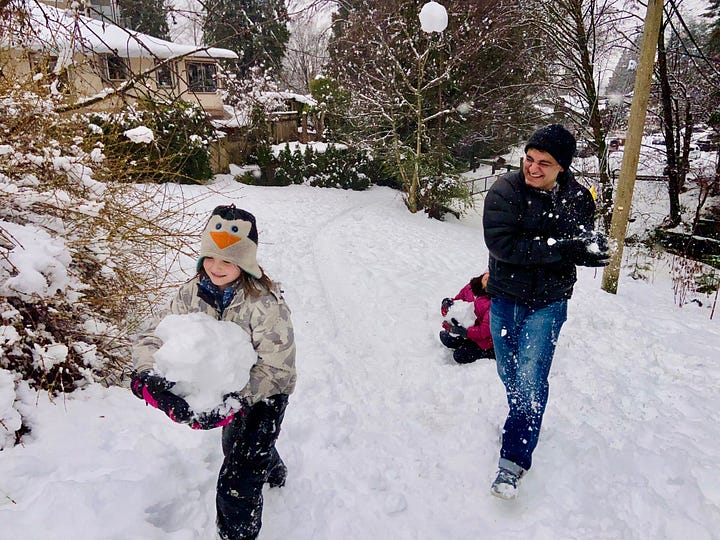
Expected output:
(521, 225)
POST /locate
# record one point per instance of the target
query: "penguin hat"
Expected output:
(231, 235)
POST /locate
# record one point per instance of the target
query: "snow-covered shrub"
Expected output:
(55, 228)
(77, 256)
(438, 193)
(291, 167)
(340, 168)
(10, 421)
(335, 167)
(155, 142)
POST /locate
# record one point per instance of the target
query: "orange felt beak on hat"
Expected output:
(224, 239)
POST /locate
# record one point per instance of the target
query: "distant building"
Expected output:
(88, 58)
(100, 66)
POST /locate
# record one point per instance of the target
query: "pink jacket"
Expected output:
(480, 332)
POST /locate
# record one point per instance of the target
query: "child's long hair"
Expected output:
(253, 286)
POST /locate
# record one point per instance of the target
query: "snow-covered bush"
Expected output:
(76, 254)
(336, 167)
(438, 193)
(178, 150)
(10, 421)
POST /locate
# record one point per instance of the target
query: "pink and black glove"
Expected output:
(146, 380)
(174, 406)
(446, 305)
(458, 329)
(233, 406)
(155, 391)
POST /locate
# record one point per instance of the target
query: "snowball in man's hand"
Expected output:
(206, 358)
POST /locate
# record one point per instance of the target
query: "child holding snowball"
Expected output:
(230, 286)
(466, 324)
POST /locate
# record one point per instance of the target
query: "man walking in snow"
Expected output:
(538, 225)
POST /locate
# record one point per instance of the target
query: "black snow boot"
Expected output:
(277, 475)
(450, 341)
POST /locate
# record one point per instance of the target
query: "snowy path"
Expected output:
(385, 437)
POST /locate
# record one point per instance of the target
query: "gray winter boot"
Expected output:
(505, 485)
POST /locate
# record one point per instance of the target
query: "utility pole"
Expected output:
(631, 155)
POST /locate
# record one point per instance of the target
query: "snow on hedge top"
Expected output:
(140, 134)
(59, 30)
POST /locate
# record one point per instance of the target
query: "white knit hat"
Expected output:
(231, 235)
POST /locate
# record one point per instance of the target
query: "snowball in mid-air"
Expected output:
(433, 17)
(206, 358)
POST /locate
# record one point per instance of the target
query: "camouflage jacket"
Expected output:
(265, 318)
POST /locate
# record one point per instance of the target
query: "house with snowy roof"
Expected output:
(98, 63)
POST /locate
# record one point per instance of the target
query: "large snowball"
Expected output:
(207, 358)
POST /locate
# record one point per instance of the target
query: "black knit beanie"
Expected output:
(556, 141)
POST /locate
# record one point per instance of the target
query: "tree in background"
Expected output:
(416, 97)
(255, 29)
(146, 16)
(682, 92)
(713, 12)
(579, 35)
(307, 49)
(622, 79)
(333, 103)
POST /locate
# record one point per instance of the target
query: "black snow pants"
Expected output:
(250, 459)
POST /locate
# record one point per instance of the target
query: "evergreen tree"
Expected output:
(713, 12)
(255, 29)
(146, 16)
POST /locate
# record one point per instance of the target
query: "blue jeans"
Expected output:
(524, 339)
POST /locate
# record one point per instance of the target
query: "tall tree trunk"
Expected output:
(595, 118)
(669, 131)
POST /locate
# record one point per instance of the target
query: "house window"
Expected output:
(164, 75)
(47, 66)
(116, 68)
(43, 63)
(201, 77)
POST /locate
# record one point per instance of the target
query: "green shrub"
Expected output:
(179, 152)
(438, 193)
(340, 168)
(291, 167)
(336, 167)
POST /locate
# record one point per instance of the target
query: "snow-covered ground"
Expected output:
(385, 437)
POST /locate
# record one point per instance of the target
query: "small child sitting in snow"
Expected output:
(466, 322)
(231, 288)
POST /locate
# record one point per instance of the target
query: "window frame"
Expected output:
(169, 70)
(207, 84)
(121, 65)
